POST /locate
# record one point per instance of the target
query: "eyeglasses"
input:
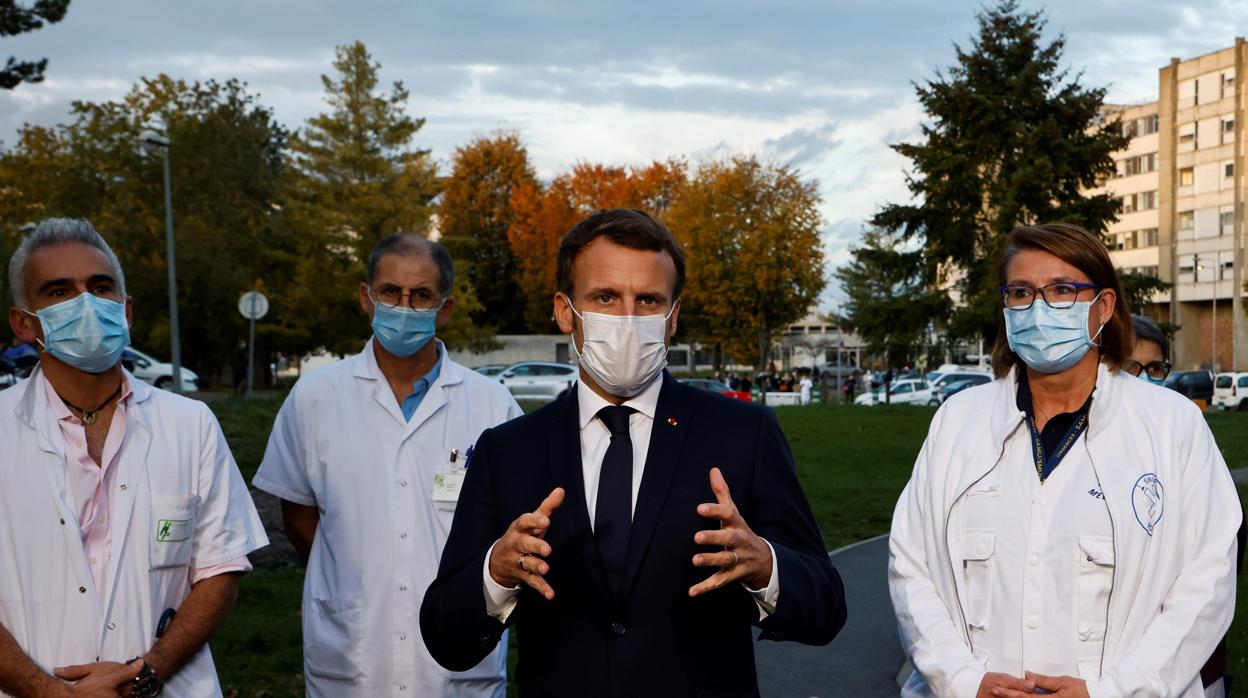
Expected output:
(393, 297)
(1058, 296)
(1157, 370)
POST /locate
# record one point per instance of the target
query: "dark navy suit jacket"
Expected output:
(652, 640)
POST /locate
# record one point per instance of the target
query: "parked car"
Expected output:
(715, 386)
(538, 380)
(956, 386)
(1197, 385)
(157, 373)
(491, 370)
(912, 391)
(944, 380)
(1230, 391)
(8, 373)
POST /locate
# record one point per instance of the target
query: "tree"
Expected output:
(1009, 141)
(14, 20)
(474, 215)
(355, 179)
(544, 214)
(755, 257)
(226, 164)
(1138, 289)
(890, 305)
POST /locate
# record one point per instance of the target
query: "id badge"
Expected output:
(447, 483)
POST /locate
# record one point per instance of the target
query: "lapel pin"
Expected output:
(671, 420)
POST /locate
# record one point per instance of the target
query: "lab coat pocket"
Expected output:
(1089, 668)
(979, 547)
(1094, 580)
(172, 530)
(332, 628)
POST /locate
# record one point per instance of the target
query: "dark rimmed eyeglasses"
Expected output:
(1058, 296)
(1157, 370)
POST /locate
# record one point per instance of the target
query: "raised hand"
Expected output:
(518, 557)
(745, 557)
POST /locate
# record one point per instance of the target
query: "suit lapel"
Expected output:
(564, 450)
(667, 441)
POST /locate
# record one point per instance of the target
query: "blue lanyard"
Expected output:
(1045, 466)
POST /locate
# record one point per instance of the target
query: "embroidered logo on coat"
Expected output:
(1147, 497)
(173, 530)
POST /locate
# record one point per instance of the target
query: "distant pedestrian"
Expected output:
(806, 386)
(851, 385)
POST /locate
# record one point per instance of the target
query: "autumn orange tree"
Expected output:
(544, 214)
(755, 258)
(474, 214)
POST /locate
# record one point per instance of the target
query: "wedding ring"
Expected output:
(735, 558)
(520, 563)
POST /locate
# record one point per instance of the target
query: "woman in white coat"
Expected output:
(1067, 528)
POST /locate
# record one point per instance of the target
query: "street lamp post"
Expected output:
(1213, 325)
(151, 140)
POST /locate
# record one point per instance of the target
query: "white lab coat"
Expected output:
(1174, 514)
(340, 443)
(174, 466)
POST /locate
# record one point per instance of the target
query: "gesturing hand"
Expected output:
(100, 679)
(517, 557)
(746, 557)
(1065, 686)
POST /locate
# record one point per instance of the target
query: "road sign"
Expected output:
(253, 305)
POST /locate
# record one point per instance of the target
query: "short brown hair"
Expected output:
(1082, 250)
(629, 227)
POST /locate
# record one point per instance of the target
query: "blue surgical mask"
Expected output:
(86, 332)
(1149, 379)
(1047, 339)
(403, 331)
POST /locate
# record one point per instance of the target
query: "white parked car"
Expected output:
(910, 391)
(538, 380)
(1230, 391)
(157, 373)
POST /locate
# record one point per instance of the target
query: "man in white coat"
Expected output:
(367, 456)
(124, 522)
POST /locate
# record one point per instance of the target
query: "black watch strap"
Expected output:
(147, 684)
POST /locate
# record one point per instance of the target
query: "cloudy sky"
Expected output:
(822, 85)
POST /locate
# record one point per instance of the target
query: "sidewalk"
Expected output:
(863, 661)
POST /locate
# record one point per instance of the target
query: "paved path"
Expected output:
(863, 661)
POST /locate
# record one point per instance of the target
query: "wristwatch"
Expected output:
(147, 684)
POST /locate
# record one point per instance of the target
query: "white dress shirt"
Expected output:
(595, 438)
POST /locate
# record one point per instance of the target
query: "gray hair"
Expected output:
(404, 245)
(51, 232)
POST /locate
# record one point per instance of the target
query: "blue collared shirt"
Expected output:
(421, 388)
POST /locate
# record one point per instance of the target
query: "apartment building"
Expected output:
(1181, 204)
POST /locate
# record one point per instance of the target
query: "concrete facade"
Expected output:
(1181, 189)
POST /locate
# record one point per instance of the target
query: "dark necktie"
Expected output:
(613, 515)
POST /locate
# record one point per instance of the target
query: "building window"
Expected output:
(1187, 220)
(1226, 222)
(1146, 271)
(1147, 200)
(1229, 170)
(1228, 85)
(1148, 237)
(1128, 203)
(1228, 269)
(1129, 129)
(1187, 177)
(1151, 123)
(1187, 133)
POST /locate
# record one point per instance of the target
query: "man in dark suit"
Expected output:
(635, 529)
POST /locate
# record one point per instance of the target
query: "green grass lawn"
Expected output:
(852, 461)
